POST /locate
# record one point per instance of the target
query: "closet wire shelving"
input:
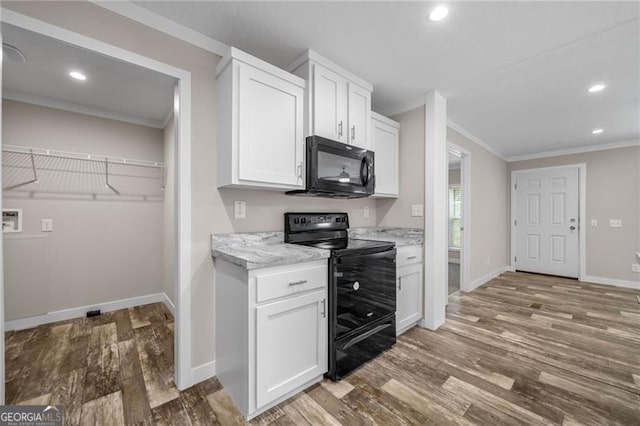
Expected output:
(41, 170)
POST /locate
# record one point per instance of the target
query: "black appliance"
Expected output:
(337, 170)
(362, 292)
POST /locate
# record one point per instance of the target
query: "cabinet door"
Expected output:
(291, 344)
(270, 126)
(359, 116)
(329, 104)
(409, 294)
(385, 145)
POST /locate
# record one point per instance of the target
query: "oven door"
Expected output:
(363, 291)
(335, 167)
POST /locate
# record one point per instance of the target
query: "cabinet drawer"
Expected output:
(408, 255)
(280, 284)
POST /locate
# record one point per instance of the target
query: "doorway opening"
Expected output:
(159, 183)
(458, 187)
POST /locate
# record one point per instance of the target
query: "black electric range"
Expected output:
(362, 292)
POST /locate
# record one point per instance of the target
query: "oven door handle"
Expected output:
(369, 255)
(365, 336)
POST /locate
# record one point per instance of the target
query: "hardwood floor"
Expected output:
(522, 349)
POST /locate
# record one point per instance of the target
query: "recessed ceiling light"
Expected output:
(438, 14)
(596, 88)
(77, 75)
(597, 131)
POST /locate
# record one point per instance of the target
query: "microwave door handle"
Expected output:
(364, 171)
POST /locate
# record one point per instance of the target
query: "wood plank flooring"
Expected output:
(522, 349)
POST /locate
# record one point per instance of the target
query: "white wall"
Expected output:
(613, 192)
(99, 250)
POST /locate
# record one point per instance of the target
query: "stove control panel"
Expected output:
(299, 222)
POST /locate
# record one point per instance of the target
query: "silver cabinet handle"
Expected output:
(411, 257)
(291, 284)
(324, 308)
(300, 171)
(353, 132)
(340, 128)
(400, 284)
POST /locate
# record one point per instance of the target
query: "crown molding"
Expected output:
(158, 22)
(80, 108)
(577, 150)
(455, 126)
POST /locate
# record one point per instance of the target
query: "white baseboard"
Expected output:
(611, 281)
(81, 311)
(169, 304)
(486, 278)
(203, 372)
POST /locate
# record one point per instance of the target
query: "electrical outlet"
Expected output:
(417, 210)
(47, 225)
(615, 223)
(635, 267)
(365, 211)
(240, 209)
(594, 222)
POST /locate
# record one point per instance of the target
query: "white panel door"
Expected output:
(359, 116)
(385, 146)
(547, 221)
(270, 126)
(409, 296)
(291, 344)
(329, 104)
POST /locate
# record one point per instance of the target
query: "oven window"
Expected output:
(337, 168)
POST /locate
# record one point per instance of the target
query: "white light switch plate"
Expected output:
(594, 222)
(615, 223)
(365, 211)
(240, 209)
(47, 225)
(635, 267)
(417, 210)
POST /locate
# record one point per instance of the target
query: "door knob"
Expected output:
(572, 228)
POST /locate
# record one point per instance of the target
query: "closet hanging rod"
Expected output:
(81, 156)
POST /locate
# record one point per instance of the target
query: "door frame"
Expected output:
(465, 183)
(182, 228)
(582, 209)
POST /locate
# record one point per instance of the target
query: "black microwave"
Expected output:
(337, 170)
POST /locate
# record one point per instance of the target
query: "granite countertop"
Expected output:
(255, 250)
(262, 249)
(401, 236)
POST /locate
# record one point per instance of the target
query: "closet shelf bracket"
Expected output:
(35, 175)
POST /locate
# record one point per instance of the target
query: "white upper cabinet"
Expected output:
(329, 104)
(260, 124)
(359, 116)
(338, 103)
(385, 136)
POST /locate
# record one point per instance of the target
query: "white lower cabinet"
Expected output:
(291, 344)
(409, 285)
(271, 331)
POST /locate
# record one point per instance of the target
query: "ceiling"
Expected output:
(515, 73)
(113, 89)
